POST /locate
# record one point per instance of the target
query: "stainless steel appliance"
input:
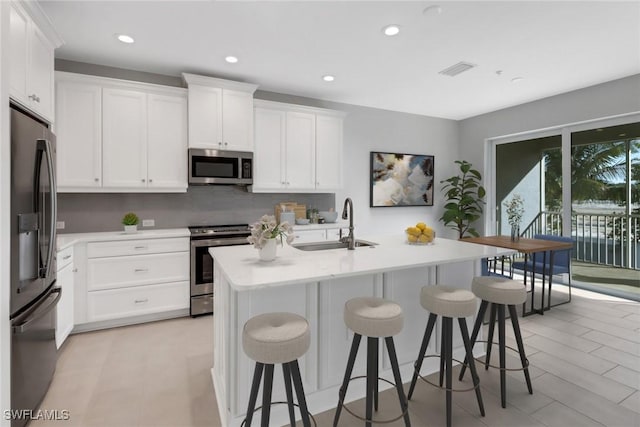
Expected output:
(33, 268)
(220, 167)
(202, 238)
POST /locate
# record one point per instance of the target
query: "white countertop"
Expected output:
(244, 270)
(65, 240)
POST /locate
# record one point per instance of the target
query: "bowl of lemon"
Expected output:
(420, 234)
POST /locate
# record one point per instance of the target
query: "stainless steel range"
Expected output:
(202, 238)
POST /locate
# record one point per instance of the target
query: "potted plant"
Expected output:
(515, 211)
(464, 196)
(130, 222)
(266, 232)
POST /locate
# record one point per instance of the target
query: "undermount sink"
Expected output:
(322, 246)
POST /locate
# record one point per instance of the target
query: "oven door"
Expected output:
(202, 263)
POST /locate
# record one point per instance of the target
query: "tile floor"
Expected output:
(585, 368)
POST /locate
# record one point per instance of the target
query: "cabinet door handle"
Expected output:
(34, 98)
(66, 257)
(96, 179)
(141, 270)
(139, 247)
(141, 301)
(150, 180)
(225, 144)
(143, 180)
(75, 270)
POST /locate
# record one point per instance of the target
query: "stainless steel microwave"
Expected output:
(220, 167)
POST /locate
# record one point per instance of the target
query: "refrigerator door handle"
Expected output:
(44, 148)
(44, 308)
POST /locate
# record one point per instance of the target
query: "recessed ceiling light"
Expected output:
(623, 134)
(517, 79)
(125, 38)
(231, 59)
(432, 10)
(328, 78)
(391, 30)
(599, 130)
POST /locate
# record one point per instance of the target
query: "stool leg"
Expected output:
(443, 355)
(391, 349)
(347, 376)
(502, 348)
(266, 395)
(472, 363)
(423, 350)
(492, 323)
(253, 396)
(372, 350)
(286, 373)
(523, 358)
(474, 335)
(447, 326)
(375, 373)
(302, 401)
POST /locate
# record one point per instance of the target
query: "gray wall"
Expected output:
(595, 102)
(365, 130)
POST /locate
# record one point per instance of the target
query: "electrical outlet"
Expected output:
(148, 222)
(60, 225)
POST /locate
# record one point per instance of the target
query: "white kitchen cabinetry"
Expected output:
(32, 42)
(297, 149)
(309, 236)
(65, 308)
(119, 136)
(220, 113)
(136, 277)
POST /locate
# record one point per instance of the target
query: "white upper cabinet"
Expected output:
(79, 134)
(120, 136)
(300, 151)
(220, 113)
(167, 141)
(328, 152)
(124, 138)
(297, 149)
(31, 59)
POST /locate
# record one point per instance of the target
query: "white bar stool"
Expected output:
(500, 292)
(276, 338)
(374, 318)
(448, 302)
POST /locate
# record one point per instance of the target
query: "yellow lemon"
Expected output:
(421, 225)
(412, 238)
(423, 239)
(414, 231)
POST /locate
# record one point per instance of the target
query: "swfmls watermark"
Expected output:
(40, 414)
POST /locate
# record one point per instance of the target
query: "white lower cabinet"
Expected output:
(65, 308)
(136, 277)
(309, 236)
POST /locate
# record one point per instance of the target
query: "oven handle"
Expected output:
(219, 242)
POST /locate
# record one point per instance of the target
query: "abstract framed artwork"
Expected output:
(401, 179)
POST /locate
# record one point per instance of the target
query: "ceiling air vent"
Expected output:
(456, 69)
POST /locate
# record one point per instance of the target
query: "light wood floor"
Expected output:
(585, 368)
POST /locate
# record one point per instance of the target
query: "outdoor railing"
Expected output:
(604, 239)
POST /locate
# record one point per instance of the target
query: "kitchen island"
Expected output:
(316, 284)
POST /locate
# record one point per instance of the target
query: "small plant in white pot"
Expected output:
(130, 222)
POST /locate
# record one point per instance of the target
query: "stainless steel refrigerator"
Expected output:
(34, 294)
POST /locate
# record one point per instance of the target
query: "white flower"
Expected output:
(268, 228)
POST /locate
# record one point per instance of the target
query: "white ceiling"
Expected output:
(287, 46)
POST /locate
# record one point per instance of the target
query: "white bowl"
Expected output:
(302, 221)
(329, 216)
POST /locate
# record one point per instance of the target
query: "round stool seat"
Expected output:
(448, 301)
(499, 290)
(373, 317)
(273, 338)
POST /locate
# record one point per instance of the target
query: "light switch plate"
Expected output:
(60, 225)
(148, 222)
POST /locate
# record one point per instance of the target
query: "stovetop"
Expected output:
(219, 230)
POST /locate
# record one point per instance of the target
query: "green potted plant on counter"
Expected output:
(464, 196)
(130, 222)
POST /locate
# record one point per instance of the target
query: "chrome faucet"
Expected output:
(349, 239)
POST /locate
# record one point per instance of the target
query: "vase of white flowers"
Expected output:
(515, 211)
(265, 235)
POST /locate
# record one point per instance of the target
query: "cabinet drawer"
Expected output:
(137, 247)
(120, 272)
(310, 236)
(64, 258)
(118, 303)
